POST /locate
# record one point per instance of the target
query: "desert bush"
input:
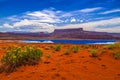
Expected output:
(86, 46)
(118, 45)
(51, 46)
(116, 54)
(110, 46)
(75, 49)
(48, 55)
(67, 52)
(93, 53)
(17, 56)
(104, 47)
(57, 47)
(47, 48)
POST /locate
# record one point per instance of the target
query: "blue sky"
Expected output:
(48, 15)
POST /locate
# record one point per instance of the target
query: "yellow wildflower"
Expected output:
(14, 56)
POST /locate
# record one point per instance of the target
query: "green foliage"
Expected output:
(17, 56)
(86, 46)
(118, 45)
(57, 47)
(116, 55)
(75, 49)
(67, 52)
(93, 52)
(110, 46)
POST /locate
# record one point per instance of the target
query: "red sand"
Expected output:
(75, 66)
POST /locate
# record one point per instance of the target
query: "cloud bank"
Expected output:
(28, 26)
(111, 11)
(48, 20)
(110, 25)
(90, 9)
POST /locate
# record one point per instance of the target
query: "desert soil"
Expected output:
(74, 66)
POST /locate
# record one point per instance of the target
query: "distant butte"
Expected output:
(75, 33)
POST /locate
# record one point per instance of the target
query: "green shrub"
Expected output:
(17, 56)
(86, 46)
(116, 55)
(67, 52)
(118, 45)
(93, 53)
(57, 47)
(75, 49)
(110, 46)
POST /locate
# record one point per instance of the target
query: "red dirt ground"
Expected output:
(75, 66)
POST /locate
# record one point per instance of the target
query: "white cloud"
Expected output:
(49, 16)
(116, 29)
(29, 26)
(38, 27)
(69, 14)
(42, 21)
(37, 21)
(6, 25)
(110, 11)
(87, 10)
(81, 21)
(23, 23)
(46, 16)
(97, 25)
(79, 12)
(73, 20)
(13, 18)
